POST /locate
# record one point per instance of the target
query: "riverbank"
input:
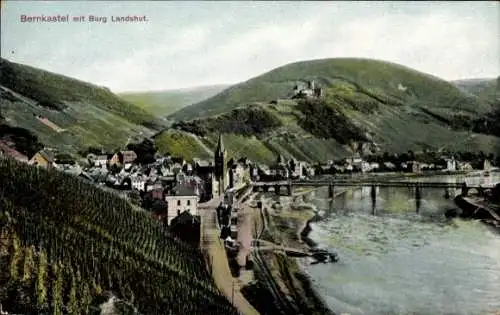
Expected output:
(278, 277)
(476, 208)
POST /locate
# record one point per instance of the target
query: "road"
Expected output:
(214, 247)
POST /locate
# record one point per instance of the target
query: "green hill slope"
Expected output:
(162, 103)
(377, 105)
(79, 114)
(377, 78)
(66, 247)
(486, 89)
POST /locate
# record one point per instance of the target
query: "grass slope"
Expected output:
(392, 129)
(162, 103)
(180, 144)
(486, 89)
(66, 247)
(380, 106)
(88, 114)
(374, 77)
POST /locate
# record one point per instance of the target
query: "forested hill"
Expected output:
(67, 248)
(66, 113)
(368, 106)
(377, 79)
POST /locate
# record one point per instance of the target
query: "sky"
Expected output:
(188, 44)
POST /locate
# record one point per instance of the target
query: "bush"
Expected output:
(325, 122)
(253, 120)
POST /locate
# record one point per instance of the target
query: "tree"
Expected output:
(145, 151)
(411, 155)
(386, 156)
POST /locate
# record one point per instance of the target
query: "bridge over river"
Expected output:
(277, 186)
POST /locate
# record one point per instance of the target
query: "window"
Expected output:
(178, 202)
(189, 202)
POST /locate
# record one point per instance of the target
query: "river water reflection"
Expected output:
(397, 260)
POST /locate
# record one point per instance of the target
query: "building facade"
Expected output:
(43, 158)
(451, 164)
(123, 157)
(177, 204)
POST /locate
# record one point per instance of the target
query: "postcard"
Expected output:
(250, 157)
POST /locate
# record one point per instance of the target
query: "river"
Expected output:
(397, 260)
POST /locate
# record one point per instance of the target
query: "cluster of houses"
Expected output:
(293, 169)
(171, 187)
(357, 164)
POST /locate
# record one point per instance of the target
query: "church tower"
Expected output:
(220, 167)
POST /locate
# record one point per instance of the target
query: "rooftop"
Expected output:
(182, 190)
(48, 155)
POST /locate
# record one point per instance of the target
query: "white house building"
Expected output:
(374, 166)
(298, 168)
(486, 165)
(138, 182)
(101, 161)
(451, 164)
(183, 200)
(365, 166)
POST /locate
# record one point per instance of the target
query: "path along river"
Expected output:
(395, 260)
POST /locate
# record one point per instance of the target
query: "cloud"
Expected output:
(190, 44)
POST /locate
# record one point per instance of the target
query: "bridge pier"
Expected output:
(289, 189)
(277, 189)
(446, 193)
(465, 189)
(418, 193)
(265, 188)
(373, 193)
(331, 190)
(418, 197)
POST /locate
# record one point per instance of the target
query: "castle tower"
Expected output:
(220, 166)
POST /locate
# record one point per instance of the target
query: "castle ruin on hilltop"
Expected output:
(308, 91)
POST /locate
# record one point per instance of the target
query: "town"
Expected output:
(171, 188)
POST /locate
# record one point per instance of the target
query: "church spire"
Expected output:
(220, 144)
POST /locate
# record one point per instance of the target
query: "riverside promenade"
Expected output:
(213, 246)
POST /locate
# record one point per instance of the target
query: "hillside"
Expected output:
(489, 91)
(368, 104)
(486, 89)
(374, 77)
(67, 248)
(162, 103)
(66, 113)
